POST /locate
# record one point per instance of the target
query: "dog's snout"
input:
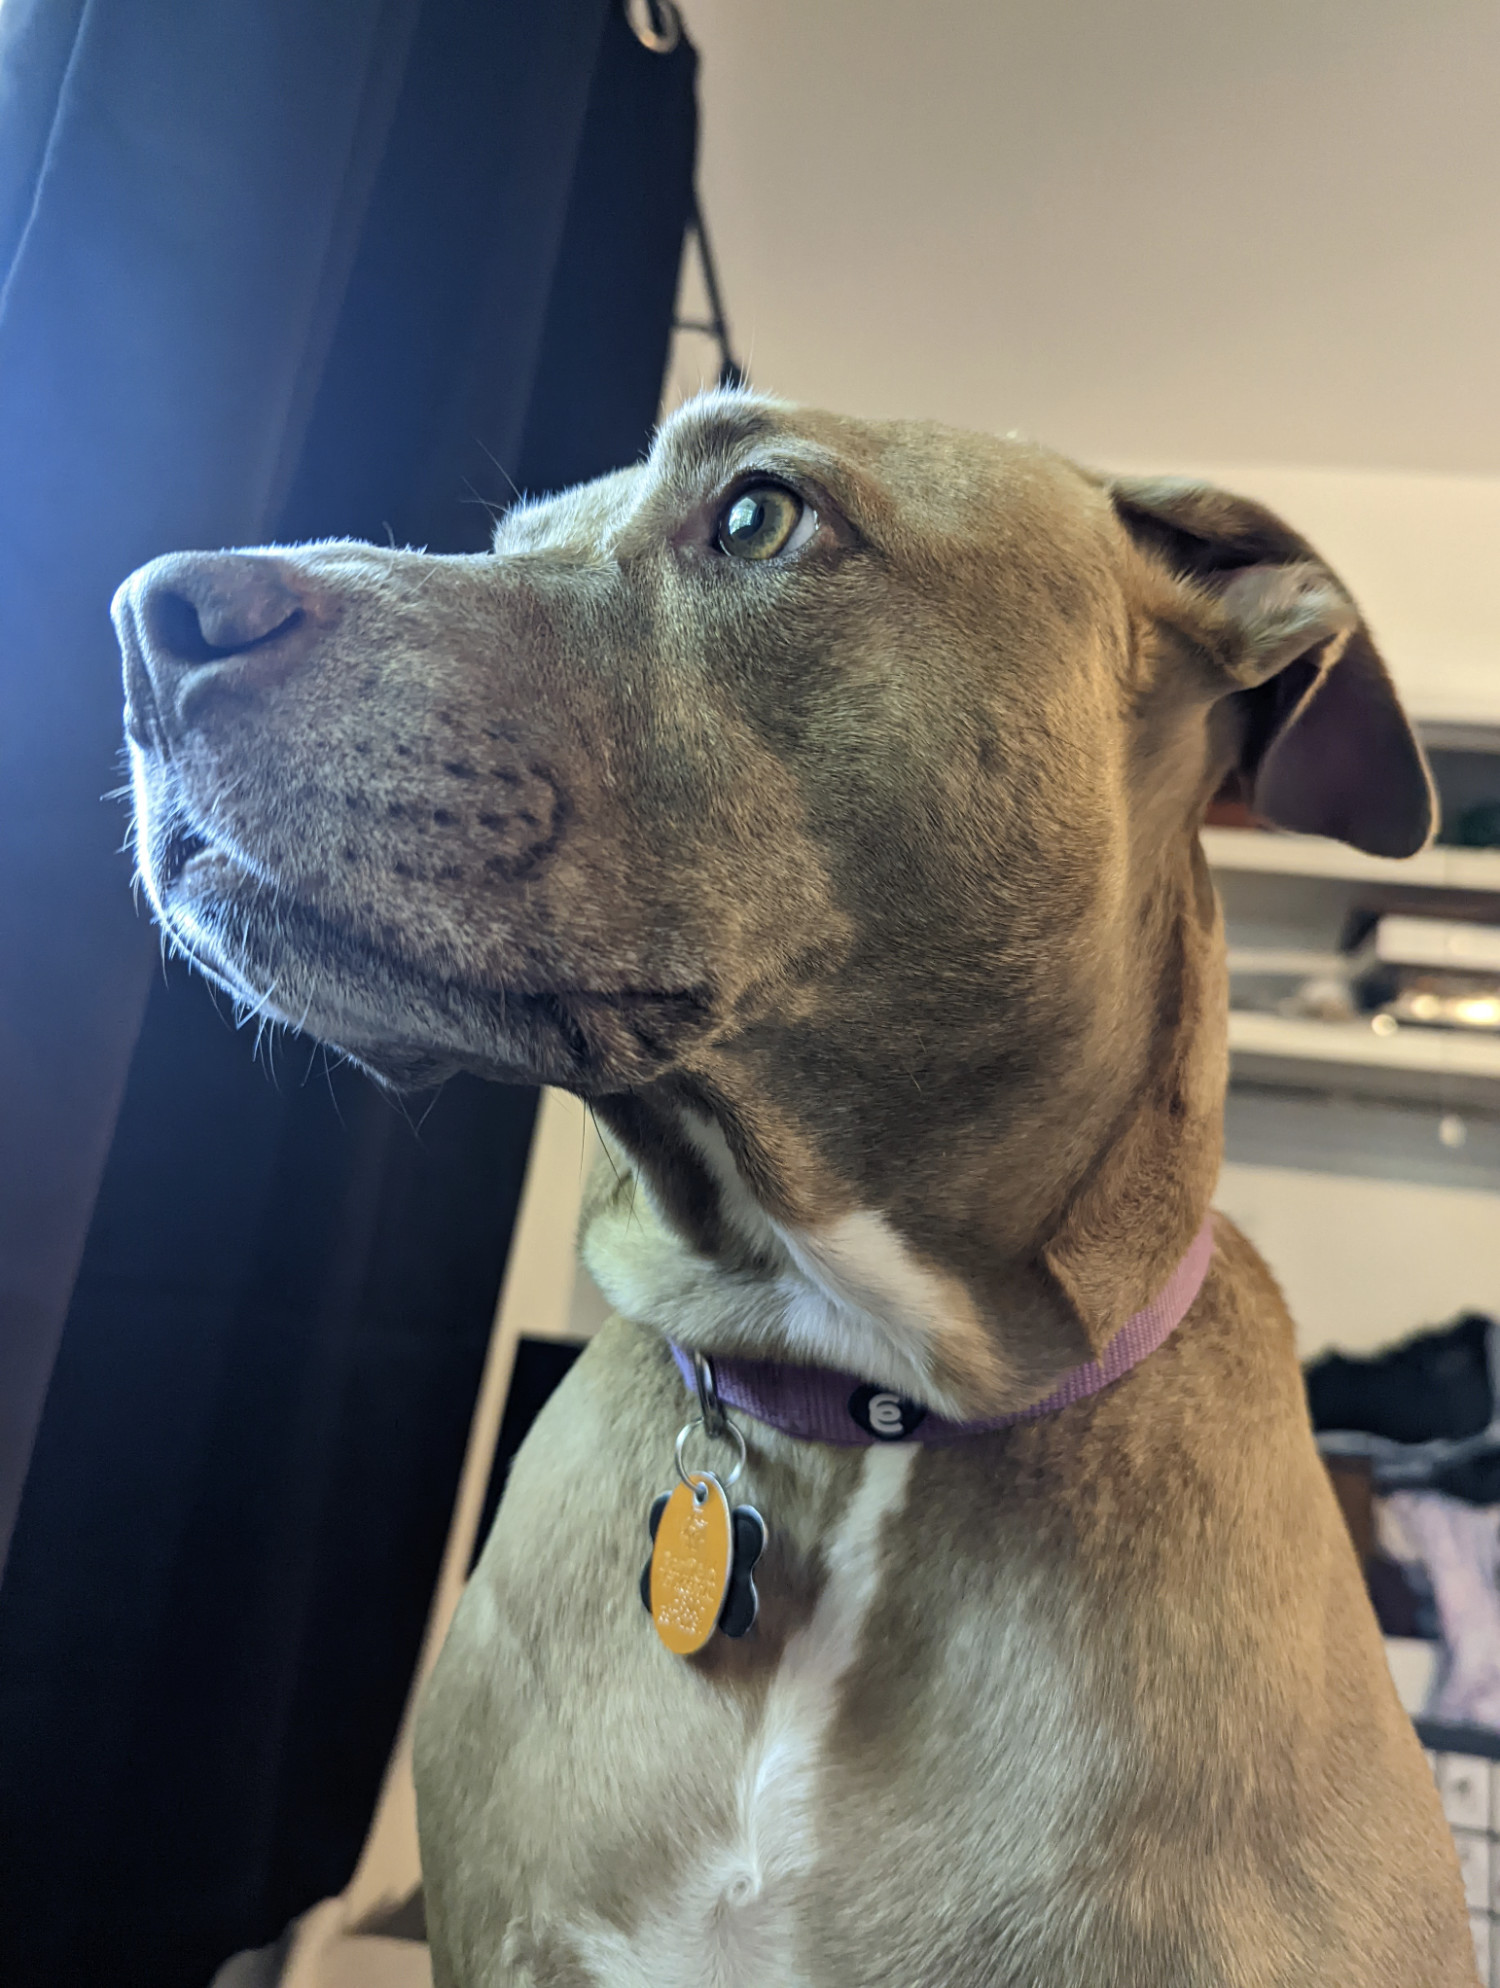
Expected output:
(238, 612)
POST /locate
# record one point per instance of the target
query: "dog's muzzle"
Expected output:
(359, 868)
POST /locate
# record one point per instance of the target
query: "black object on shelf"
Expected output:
(1434, 1385)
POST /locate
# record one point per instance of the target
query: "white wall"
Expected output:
(1165, 232)
(1362, 1261)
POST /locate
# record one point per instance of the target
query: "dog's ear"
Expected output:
(1324, 746)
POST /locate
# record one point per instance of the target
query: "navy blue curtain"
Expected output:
(271, 268)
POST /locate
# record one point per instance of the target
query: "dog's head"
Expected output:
(818, 798)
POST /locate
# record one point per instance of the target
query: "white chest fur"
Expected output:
(731, 1921)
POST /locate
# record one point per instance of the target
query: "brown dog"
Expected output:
(819, 800)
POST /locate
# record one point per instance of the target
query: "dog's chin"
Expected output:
(404, 1069)
(410, 1025)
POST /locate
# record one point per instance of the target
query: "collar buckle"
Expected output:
(715, 1421)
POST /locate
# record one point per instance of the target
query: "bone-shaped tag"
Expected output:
(700, 1574)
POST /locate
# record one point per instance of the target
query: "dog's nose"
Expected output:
(239, 612)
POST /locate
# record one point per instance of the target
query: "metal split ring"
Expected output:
(727, 1434)
(656, 24)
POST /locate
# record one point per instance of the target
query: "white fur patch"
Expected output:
(853, 1295)
(863, 1303)
(731, 1924)
(737, 1204)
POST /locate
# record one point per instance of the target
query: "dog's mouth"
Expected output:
(413, 1010)
(178, 851)
(412, 1023)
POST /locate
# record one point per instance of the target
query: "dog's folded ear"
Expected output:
(1324, 746)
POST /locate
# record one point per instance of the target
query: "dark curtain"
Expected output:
(271, 268)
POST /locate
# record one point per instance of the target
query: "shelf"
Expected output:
(1263, 853)
(1459, 735)
(1441, 1065)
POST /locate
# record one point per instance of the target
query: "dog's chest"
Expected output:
(782, 1813)
(729, 1909)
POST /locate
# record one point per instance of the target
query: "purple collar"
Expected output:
(817, 1406)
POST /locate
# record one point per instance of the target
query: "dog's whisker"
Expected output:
(493, 510)
(515, 487)
(256, 1009)
(333, 1096)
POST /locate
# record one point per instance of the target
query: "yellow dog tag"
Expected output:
(690, 1562)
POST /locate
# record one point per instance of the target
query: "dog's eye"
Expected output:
(765, 520)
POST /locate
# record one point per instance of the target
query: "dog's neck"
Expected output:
(677, 1238)
(818, 1404)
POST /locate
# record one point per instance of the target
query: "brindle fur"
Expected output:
(860, 893)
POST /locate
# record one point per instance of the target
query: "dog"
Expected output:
(819, 800)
